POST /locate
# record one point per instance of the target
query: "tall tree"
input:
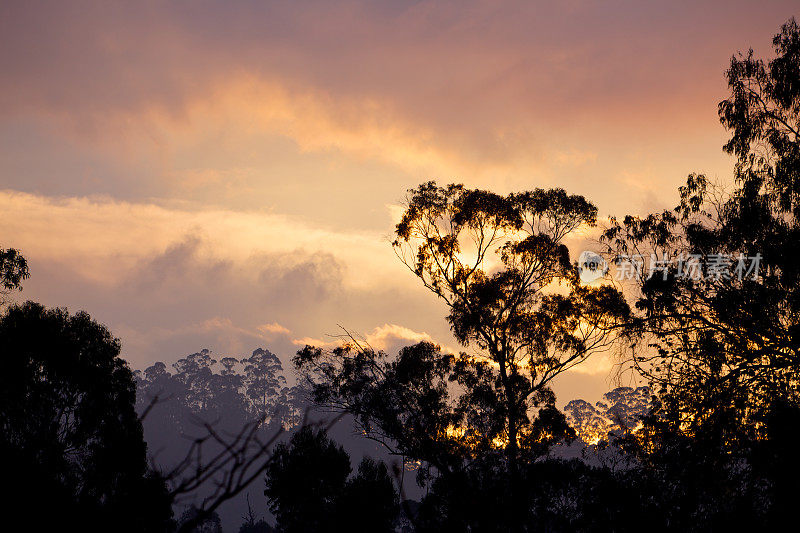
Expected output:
(515, 301)
(492, 259)
(70, 439)
(717, 323)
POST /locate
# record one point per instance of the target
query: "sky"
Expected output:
(227, 175)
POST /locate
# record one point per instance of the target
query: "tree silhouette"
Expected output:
(70, 439)
(725, 345)
(403, 403)
(620, 411)
(263, 381)
(251, 525)
(230, 390)
(308, 488)
(369, 500)
(490, 258)
(720, 343)
(447, 237)
(13, 271)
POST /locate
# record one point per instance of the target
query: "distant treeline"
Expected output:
(233, 391)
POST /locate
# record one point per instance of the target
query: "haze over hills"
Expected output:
(230, 392)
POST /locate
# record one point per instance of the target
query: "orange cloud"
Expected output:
(273, 329)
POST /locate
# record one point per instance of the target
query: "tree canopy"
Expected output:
(724, 343)
(70, 438)
(310, 488)
(515, 301)
(717, 331)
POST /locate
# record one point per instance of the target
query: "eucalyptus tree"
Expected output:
(515, 303)
(717, 320)
(719, 309)
(502, 266)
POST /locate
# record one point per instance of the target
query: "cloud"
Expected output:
(167, 279)
(389, 338)
(505, 94)
(273, 329)
(166, 292)
(383, 336)
(392, 337)
(600, 365)
(430, 61)
(106, 239)
(224, 174)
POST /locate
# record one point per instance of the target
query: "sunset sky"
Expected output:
(227, 175)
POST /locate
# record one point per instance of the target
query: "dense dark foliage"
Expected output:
(722, 348)
(309, 490)
(70, 439)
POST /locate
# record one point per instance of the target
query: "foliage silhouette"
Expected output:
(13, 271)
(490, 258)
(724, 347)
(209, 524)
(230, 390)
(309, 490)
(69, 434)
(447, 238)
(721, 349)
(620, 411)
